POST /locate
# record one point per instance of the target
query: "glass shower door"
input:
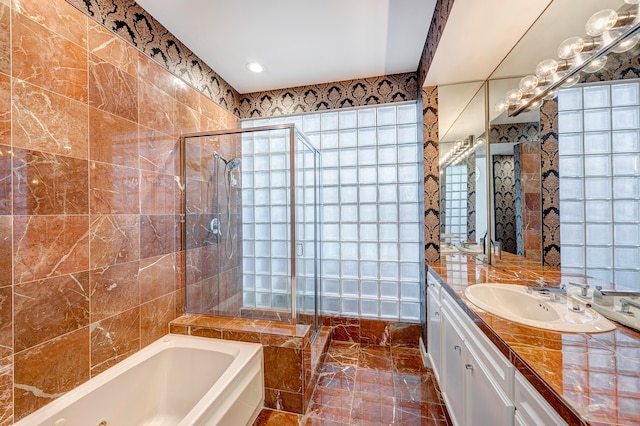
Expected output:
(307, 247)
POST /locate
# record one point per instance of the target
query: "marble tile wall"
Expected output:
(90, 262)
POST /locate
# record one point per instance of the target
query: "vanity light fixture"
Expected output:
(606, 31)
(255, 67)
(461, 150)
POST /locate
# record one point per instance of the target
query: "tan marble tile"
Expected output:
(157, 193)
(6, 243)
(157, 277)
(188, 96)
(49, 184)
(6, 164)
(158, 152)
(157, 109)
(112, 90)
(186, 120)
(58, 16)
(47, 246)
(269, 417)
(282, 400)
(6, 391)
(6, 319)
(45, 372)
(61, 67)
(114, 239)
(5, 42)
(113, 189)
(114, 339)
(114, 289)
(152, 72)
(45, 121)
(104, 44)
(155, 317)
(112, 139)
(5, 108)
(46, 309)
(158, 234)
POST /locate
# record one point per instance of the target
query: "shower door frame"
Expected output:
(292, 193)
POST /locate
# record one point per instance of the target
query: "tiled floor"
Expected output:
(369, 385)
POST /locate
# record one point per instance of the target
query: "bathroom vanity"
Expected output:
(495, 371)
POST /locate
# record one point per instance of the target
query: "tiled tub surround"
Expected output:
(89, 204)
(291, 362)
(588, 378)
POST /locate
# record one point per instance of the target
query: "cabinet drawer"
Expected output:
(433, 285)
(531, 408)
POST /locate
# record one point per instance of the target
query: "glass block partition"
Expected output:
(456, 201)
(599, 154)
(371, 173)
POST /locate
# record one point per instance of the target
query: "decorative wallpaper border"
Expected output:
(431, 141)
(517, 132)
(341, 94)
(471, 197)
(438, 21)
(517, 174)
(134, 25)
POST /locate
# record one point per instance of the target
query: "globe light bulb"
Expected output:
(627, 44)
(546, 68)
(513, 97)
(570, 47)
(528, 83)
(600, 22)
(571, 81)
(632, 1)
(500, 107)
(596, 65)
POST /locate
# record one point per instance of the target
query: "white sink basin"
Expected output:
(512, 302)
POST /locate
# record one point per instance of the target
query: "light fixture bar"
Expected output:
(512, 112)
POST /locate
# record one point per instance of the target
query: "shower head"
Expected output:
(233, 164)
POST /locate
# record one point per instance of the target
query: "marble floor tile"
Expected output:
(369, 385)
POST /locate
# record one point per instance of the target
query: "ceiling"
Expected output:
(299, 42)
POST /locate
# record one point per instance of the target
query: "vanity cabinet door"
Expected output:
(434, 324)
(486, 402)
(453, 355)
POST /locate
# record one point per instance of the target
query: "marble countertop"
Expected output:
(588, 378)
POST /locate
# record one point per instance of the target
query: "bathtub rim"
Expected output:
(242, 352)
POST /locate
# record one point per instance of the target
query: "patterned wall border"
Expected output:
(134, 25)
(471, 197)
(341, 94)
(549, 183)
(517, 132)
(504, 202)
(438, 21)
(517, 173)
(431, 174)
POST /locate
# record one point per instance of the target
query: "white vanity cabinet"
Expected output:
(479, 384)
(434, 327)
(472, 395)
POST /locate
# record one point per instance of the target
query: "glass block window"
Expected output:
(371, 173)
(599, 163)
(456, 201)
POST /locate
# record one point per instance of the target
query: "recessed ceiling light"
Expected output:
(255, 67)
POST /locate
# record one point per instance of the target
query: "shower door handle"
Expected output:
(299, 249)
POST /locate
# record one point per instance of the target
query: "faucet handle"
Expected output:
(584, 286)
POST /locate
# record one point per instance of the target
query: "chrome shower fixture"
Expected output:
(230, 165)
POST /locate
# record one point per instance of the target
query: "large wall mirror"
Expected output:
(564, 178)
(463, 172)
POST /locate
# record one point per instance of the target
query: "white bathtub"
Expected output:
(177, 380)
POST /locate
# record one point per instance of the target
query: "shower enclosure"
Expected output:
(251, 228)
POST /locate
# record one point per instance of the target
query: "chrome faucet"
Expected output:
(624, 306)
(584, 288)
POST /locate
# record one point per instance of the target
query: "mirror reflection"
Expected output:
(561, 193)
(463, 195)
